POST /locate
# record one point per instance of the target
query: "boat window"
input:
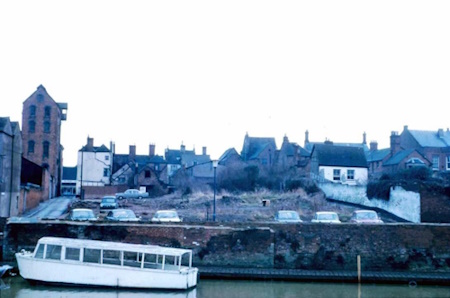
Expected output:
(53, 252)
(131, 259)
(151, 261)
(111, 257)
(72, 253)
(170, 263)
(91, 255)
(40, 252)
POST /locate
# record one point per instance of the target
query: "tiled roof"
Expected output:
(432, 138)
(333, 155)
(227, 154)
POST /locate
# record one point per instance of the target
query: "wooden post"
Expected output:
(358, 260)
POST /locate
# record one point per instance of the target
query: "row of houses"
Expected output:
(346, 163)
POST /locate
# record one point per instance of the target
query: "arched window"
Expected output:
(32, 111)
(47, 126)
(46, 148)
(31, 126)
(30, 146)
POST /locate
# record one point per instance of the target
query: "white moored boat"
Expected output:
(110, 264)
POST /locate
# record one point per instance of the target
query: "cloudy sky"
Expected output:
(205, 73)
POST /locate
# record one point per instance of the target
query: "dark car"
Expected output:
(109, 202)
(82, 214)
(365, 216)
(122, 215)
(288, 216)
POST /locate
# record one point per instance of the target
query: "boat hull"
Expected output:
(90, 274)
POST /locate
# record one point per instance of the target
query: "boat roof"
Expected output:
(109, 245)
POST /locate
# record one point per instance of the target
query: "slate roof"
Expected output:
(431, 138)
(310, 146)
(101, 148)
(227, 154)
(69, 173)
(253, 146)
(377, 155)
(4, 124)
(398, 157)
(334, 155)
(174, 156)
(119, 160)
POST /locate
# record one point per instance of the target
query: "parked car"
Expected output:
(109, 202)
(122, 215)
(326, 217)
(287, 216)
(365, 216)
(131, 194)
(166, 216)
(82, 214)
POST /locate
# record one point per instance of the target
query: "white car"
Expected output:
(326, 217)
(365, 217)
(166, 216)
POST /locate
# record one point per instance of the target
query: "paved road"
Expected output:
(51, 209)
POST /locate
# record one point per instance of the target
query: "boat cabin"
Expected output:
(113, 253)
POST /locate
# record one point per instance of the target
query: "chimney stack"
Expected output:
(204, 150)
(182, 148)
(395, 142)
(306, 137)
(373, 146)
(151, 148)
(90, 143)
(132, 154)
(364, 138)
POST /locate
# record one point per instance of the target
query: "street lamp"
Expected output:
(214, 164)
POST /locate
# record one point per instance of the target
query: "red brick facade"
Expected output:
(41, 134)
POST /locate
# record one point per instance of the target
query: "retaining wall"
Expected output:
(309, 246)
(402, 203)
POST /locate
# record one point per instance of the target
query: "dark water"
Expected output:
(17, 287)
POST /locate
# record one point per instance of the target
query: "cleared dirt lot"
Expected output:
(243, 207)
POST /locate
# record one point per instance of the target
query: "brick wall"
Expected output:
(393, 247)
(96, 192)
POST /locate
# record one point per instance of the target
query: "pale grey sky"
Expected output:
(203, 73)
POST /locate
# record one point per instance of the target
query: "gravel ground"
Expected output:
(257, 206)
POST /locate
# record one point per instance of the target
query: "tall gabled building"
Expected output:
(41, 134)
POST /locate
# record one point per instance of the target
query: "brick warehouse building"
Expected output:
(41, 134)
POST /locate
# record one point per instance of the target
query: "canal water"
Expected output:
(17, 287)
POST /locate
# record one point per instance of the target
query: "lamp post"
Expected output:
(214, 163)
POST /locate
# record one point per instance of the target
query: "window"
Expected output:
(47, 126)
(448, 162)
(40, 251)
(91, 255)
(111, 257)
(336, 175)
(53, 252)
(30, 146)
(435, 162)
(106, 157)
(72, 253)
(147, 174)
(264, 161)
(32, 111)
(48, 111)
(31, 126)
(105, 172)
(350, 174)
(45, 147)
(40, 97)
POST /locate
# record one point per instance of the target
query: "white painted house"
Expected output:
(94, 166)
(339, 164)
